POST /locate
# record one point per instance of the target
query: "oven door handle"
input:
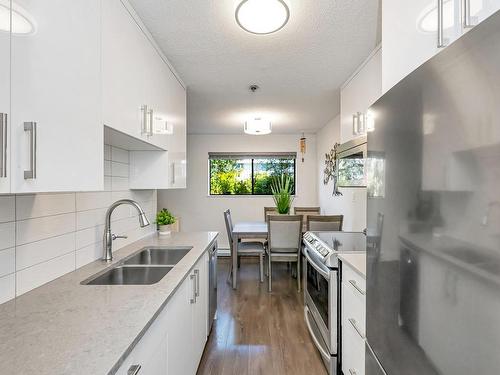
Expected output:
(311, 261)
(316, 341)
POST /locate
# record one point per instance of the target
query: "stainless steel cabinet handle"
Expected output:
(467, 21)
(352, 371)
(144, 127)
(356, 328)
(173, 173)
(134, 370)
(193, 298)
(355, 285)
(440, 29)
(197, 274)
(31, 127)
(151, 119)
(3, 145)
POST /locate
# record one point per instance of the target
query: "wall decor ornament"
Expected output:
(330, 171)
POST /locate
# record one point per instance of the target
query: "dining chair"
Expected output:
(244, 248)
(270, 211)
(305, 212)
(324, 222)
(284, 236)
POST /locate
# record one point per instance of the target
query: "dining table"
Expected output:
(241, 230)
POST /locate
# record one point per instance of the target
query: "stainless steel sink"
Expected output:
(158, 256)
(129, 275)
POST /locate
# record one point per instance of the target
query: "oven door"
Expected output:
(321, 299)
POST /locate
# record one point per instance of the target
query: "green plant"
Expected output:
(282, 188)
(164, 217)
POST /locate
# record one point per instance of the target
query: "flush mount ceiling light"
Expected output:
(257, 126)
(22, 22)
(262, 16)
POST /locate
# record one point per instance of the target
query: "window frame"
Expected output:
(252, 156)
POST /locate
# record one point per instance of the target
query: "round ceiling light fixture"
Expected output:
(257, 126)
(262, 16)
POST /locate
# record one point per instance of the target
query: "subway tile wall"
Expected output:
(44, 236)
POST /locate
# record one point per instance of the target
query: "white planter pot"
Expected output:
(165, 230)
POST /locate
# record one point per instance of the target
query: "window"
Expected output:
(248, 174)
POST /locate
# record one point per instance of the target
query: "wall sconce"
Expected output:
(302, 143)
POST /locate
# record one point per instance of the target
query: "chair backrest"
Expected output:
(229, 226)
(270, 211)
(325, 222)
(284, 233)
(305, 212)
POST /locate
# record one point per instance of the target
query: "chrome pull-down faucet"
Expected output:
(108, 236)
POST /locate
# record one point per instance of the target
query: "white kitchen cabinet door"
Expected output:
(56, 84)
(124, 64)
(151, 352)
(200, 310)
(180, 329)
(410, 35)
(359, 93)
(5, 127)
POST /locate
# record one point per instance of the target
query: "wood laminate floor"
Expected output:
(257, 332)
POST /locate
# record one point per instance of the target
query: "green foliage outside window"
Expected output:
(248, 176)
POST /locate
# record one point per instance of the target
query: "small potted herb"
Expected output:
(282, 188)
(164, 220)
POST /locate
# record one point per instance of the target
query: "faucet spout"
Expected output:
(108, 236)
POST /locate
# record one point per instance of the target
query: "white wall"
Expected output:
(44, 236)
(352, 204)
(199, 212)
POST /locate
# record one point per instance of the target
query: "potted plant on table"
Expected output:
(282, 188)
(164, 220)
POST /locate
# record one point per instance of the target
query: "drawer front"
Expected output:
(353, 352)
(353, 307)
(351, 276)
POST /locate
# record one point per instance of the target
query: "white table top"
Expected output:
(250, 227)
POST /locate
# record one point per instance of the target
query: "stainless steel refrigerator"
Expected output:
(433, 167)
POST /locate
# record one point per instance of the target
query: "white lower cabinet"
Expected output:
(353, 321)
(175, 341)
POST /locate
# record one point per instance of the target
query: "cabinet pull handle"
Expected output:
(355, 285)
(354, 125)
(134, 370)
(468, 21)
(193, 298)
(440, 29)
(197, 274)
(144, 110)
(31, 127)
(352, 371)
(173, 173)
(151, 119)
(3, 145)
(355, 326)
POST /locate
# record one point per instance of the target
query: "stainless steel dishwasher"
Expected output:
(212, 285)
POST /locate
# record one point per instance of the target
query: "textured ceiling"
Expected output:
(299, 69)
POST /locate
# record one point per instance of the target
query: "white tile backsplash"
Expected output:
(7, 208)
(44, 236)
(38, 205)
(7, 261)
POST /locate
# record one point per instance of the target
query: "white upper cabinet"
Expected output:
(5, 127)
(56, 126)
(358, 94)
(140, 92)
(413, 31)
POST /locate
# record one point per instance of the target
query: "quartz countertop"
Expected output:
(357, 261)
(64, 327)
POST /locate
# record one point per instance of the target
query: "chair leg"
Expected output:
(298, 275)
(269, 271)
(266, 268)
(228, 280)
(261, 267)
(239, 261)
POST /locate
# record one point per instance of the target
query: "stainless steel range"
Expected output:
(322, 289)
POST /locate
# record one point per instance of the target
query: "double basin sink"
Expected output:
(145, 267)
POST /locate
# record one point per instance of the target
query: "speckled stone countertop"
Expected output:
(357, 261)
(64, 327)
